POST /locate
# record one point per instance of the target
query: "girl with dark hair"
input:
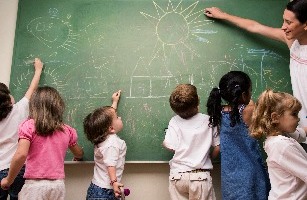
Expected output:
(243, 172)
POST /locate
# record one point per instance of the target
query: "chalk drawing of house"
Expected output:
(150, 83)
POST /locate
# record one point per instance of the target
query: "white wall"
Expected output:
(8, 14)
(146, 181)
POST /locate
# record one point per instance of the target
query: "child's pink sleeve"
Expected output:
(72, 135)
(26, 129)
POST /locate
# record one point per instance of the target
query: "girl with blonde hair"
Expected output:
(274, 117)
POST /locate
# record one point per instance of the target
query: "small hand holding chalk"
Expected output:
(117, 94)
(115, 98)
(38, 64)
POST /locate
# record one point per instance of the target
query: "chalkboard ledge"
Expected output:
(133, 162)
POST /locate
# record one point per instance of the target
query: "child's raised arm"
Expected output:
(38, 65)
(115, 99)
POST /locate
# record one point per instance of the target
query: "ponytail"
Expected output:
(214, 107)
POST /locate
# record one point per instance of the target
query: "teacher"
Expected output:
(293, 33)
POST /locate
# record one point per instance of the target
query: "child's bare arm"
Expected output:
(38, 65)
(18, 161)
(77, 151)
(172, 150)
(116, 185)
(215, 151)
(115, 99)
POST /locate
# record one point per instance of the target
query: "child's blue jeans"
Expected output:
(15, 187)
(95, 192)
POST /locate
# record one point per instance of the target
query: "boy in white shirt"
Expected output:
(190, 137)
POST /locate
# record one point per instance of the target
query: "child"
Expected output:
(190, 137)
(101, 128)
(275, 114)
(43, 142)
(293, 33)
(11, 115)
(243, 173)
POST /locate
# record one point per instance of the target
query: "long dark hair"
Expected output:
(299, 8)
(231, 87)
(5, 101)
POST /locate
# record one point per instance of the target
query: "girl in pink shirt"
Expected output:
(275, 115)
(43, 142)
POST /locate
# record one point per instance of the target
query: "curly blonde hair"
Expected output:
(268, 103)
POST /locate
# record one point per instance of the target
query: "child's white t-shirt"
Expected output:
(8, 131)
(111, 152)
(191, 139)
(287, 166)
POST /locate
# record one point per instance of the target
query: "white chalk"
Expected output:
(29, 61)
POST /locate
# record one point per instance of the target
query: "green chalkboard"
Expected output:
(92, 48)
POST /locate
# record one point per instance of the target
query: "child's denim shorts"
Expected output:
(95, 192)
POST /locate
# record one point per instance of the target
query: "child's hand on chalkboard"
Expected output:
(38, 64)
(215, 12)
(115, 99)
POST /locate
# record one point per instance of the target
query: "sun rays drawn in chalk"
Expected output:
(54, 32)
(50, 76)
(176, 29)
(176, 26)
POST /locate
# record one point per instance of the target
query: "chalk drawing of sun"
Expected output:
(176, 27)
